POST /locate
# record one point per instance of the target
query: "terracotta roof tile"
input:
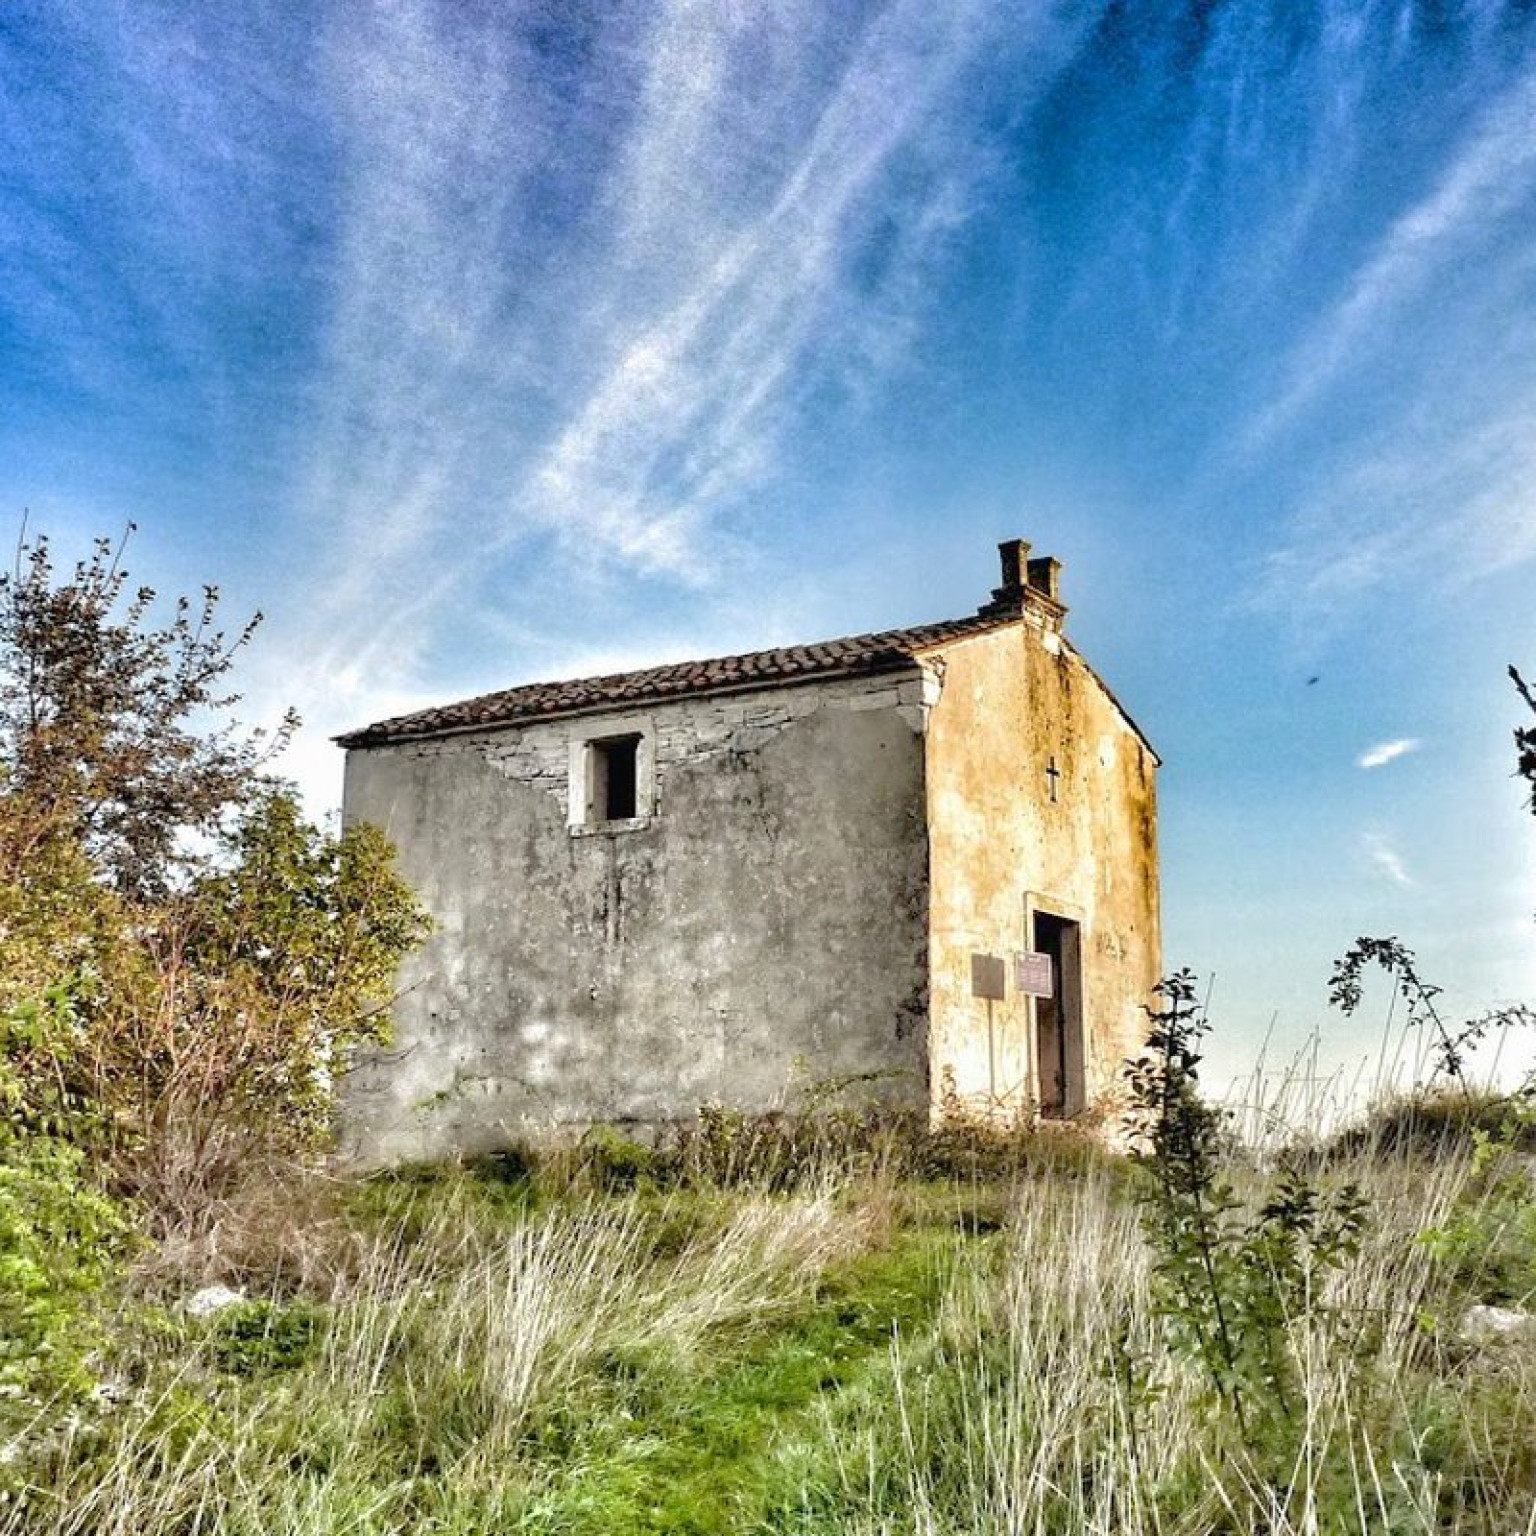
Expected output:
(853, 656)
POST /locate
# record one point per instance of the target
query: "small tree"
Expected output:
(241, 1002)
(114, 732)
(1231, 1277)
(208, 957)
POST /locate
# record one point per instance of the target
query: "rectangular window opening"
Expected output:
(616, 778)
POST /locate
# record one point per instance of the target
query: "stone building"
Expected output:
(924, 861)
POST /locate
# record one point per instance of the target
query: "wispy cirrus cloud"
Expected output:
(1387, 752)
(477, 292)
(1384, 858)
(1445, 491)
(710, 371)
(586, 275)
(1488, 179)
(1434, 477)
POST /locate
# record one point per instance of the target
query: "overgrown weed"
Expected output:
(874, 1352)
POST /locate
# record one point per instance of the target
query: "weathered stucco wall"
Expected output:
(763, 926)
(1009, 704)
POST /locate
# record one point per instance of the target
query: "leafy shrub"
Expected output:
(280, 960)
(254, 1337)
(1433, 1122)
(61, 1238)
(185, 962)
(1525, 738)
(613, 1161)
(1486, 1245)
(1229, 1280)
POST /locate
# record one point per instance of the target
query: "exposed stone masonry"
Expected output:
(539, 754)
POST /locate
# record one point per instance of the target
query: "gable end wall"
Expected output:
(1009, 703)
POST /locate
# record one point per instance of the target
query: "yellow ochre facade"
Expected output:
(1042, 833)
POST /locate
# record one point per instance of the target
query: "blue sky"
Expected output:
(475, 343)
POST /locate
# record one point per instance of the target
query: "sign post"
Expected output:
(989, 979)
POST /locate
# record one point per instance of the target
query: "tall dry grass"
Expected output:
(478, 1363)
(450, 1337)
(1049, 1401)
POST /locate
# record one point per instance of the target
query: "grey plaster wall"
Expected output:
(763, 926)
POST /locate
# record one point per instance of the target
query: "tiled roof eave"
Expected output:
(415, 728)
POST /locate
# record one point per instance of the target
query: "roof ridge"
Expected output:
(864, 654)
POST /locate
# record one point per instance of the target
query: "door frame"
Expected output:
(1073, 1002)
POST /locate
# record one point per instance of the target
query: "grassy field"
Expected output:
(599, 1349)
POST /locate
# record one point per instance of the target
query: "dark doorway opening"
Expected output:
(1059, 1017)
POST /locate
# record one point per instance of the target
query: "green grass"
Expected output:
(862, 1355)
(720, 1452)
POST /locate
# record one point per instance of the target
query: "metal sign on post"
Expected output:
(1034, 975)
(989, 977)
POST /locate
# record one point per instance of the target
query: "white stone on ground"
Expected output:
(1485, 1324)
(211, 1299)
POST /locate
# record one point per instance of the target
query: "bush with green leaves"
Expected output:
(61, 1240)
(255, 984)
(252, 1338)
(186, 961)
(1525, 738)
(1231, 1276)
(61, 1237)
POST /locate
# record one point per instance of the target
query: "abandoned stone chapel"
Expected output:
(922, 863)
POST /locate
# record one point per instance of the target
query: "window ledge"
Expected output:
(611, 828)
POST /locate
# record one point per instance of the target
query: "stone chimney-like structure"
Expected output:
(1027, 582)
